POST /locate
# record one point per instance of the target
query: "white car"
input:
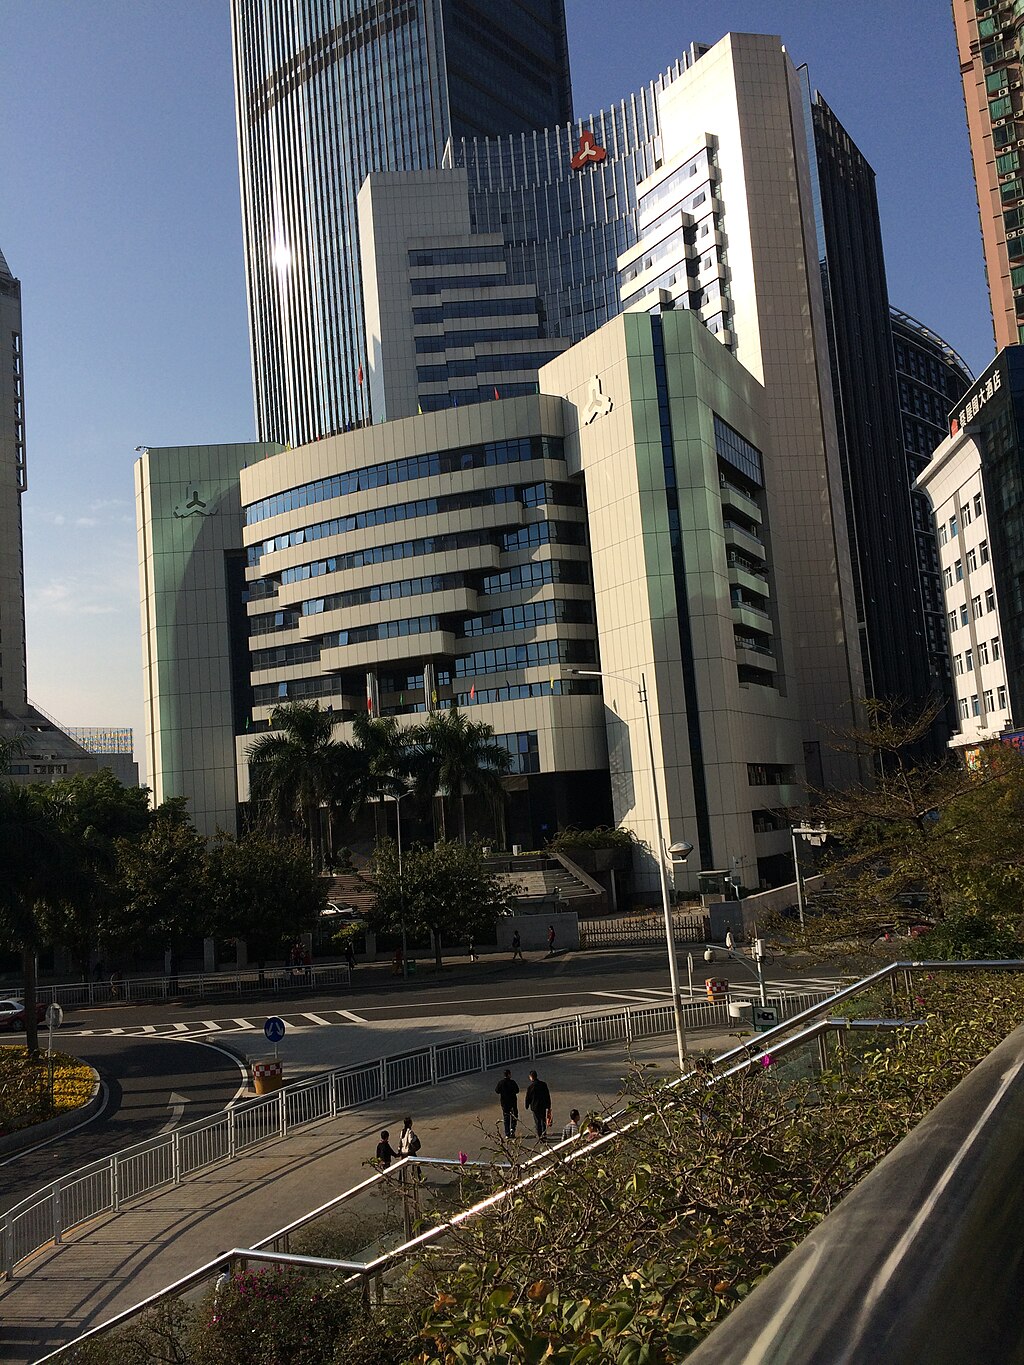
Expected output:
(342, 912)
(12, 1014)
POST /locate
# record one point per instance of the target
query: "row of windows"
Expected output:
(528, 614)
(960, 616)
(770, 774)
(459, 255)
(739, 452)
(486, 364)
(487, 455)
(440, 284)
(374, 592)
(524, 750)
(523, 538)
(483, 393)
(309, 651)
(993, 701)
(534, 655)
(528, 495)
(476, 308)
(453, 341)
(964, 520)
(535, 574)
(964, 663)
(557, 687)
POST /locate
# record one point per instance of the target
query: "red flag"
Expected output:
(369, 703)
(359, 376)
(472, 692)
(496, 393)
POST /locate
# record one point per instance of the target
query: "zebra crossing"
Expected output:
(204, 1028)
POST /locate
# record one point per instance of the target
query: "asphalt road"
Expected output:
(151, 1083)
(492, 986)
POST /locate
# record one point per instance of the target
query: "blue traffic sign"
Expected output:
(274, 1029)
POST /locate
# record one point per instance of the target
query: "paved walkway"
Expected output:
(121, 1258)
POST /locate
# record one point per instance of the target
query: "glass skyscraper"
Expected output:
(326, 92)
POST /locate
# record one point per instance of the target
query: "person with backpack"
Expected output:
(409, 1145)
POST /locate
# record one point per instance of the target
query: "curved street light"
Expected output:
(679, 852)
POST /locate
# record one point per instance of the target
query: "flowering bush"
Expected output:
(25, 1096)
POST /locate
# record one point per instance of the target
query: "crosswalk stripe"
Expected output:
(315, 1019)
(347, 1014)
(149, 1028)
(245, 1023)
(180, 1028)
(211, 1024)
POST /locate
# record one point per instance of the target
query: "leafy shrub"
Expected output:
(602, 837)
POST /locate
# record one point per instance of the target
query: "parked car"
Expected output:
(348, 914)
(12, 1015)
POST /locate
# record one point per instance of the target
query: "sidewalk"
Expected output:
(121, 1258)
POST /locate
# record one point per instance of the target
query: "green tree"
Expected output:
(454, 757)
(34, 855)
(263, 890)
(379, 761)
(447, 890)
(297, 770)
(162, 874)
(92, 811)
(943, 837)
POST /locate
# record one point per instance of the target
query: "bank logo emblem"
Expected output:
(590, 153)
(599, 403)
(193, 506)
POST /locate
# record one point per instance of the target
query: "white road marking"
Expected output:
(315, 1019)
(245, 1023)
(210, 1024)
(347, 1014)
(176, 1104)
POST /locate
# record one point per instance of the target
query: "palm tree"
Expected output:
(380, 758)
(455, 756)
(297, 770)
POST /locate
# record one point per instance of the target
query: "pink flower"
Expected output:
(767, 1061)
(463, 1158)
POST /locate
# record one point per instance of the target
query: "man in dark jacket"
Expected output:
(538, 1101)
(506, 1091)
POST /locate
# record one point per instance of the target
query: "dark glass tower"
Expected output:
(327, 91)
(931, 377)
(890, 612)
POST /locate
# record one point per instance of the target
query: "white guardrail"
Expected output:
(165, 1160)
(197, 985)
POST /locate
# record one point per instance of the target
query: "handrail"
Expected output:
(103, 1186)
(198, 984)
(747, 1055)
(921, 1260)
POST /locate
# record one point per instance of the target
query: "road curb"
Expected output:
(51, 1128)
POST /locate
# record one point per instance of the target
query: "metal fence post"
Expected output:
(433, 1064)
(8, 1249)
(533, 1042)
(579, 1031)
(232, 1134)
(55, 1212)
(332, 1081)
(483, 1054)
(282, 1118)
(176, 1156)
(627, 1030)
(383, 1078)
(115, 1191)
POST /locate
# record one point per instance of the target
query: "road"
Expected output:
(151, 1083)
(157, 1074)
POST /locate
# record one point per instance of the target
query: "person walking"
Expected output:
(409, 1145)
(385, 1153)
(350, 957)
(517, 947)
(572, 1128)
(507, 1091)
(472, 951)
(551, 940)
(538, 1101)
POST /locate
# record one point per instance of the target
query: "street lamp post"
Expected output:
(816, 836)
(679, 852)
(401, 875)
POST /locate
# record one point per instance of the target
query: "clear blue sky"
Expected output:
(119, 213)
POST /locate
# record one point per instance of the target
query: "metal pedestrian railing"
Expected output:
(197, 985)
(630, 931)
(104, 1186)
